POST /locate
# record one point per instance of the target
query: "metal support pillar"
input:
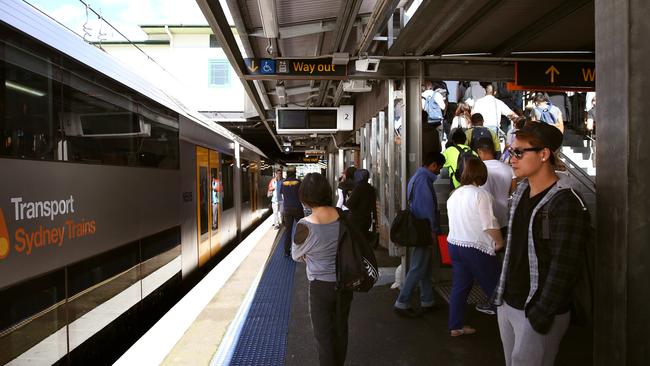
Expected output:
(393, 250)
(382, 169)
(622, 252)
(341, 163)
(413, 122)
(238, 183)
(364, 146)
(374, 151)
(413, 133)
(331, 172)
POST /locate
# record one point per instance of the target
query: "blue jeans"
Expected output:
(469, 264)
(420, 272)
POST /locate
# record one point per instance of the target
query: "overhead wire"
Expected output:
(101, 18)
(87, 29)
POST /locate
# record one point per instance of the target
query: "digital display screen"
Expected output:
(109, 124)
(292, 119)
(322, 119)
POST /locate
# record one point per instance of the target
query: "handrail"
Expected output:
(573, 167)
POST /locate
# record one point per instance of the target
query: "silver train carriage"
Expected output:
(113, 197)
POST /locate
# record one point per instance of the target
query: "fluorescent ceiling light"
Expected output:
(23, 89)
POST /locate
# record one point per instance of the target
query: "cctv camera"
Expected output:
(367, 65)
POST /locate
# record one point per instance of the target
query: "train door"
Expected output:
(203, 209)
(216, 191)
(254, 176)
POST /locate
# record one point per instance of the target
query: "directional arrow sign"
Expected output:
(252, 65)
(556, 75)
(552, 71)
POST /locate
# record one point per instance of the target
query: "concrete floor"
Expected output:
(379, 337)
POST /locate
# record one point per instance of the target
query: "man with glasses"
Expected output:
(547, 234)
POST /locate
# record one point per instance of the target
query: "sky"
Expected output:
(125, 15)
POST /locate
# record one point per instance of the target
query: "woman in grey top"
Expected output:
(315, 243)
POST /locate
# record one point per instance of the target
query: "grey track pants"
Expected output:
(522, 345)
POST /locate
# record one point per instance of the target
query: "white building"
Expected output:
(205, 81)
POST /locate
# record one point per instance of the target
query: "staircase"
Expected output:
(580, 150)
(579, 156)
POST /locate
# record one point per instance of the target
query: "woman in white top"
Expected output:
(474, 237)
(462, 117)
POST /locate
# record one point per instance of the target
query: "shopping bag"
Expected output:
(444, 249)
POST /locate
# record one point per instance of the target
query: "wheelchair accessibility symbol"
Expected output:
(267, 66)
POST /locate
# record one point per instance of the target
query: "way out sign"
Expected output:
(307, 68)
(556, 75)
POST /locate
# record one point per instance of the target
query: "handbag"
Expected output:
(373, 239)
(408, 231)
(443, 245)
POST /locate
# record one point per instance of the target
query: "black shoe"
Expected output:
(427, 309)
(406, 313)
(486, 309)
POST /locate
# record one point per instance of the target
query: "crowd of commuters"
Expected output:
(542, 229)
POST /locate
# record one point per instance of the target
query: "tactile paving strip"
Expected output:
(476, 295)
(263, 340)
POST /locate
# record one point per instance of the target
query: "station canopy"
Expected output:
(456, 34)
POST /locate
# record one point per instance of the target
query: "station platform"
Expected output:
(257, 314)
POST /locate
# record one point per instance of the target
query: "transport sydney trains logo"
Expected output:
(36, 228)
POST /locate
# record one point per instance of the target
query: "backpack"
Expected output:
(460, 163)
(431, 107)
(356, 265)
(408, 231)
(478, 133)
(582, 306)
(452, 170)
(545, 114)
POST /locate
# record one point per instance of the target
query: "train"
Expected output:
(114, 195)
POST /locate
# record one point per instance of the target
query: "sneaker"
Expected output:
(406, 313)
(486, 309)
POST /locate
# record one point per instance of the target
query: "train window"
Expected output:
(90, 272)
(131, 139)
(227, 174)
(245, 181)
(160, 243)
(55, 108)
(203, 187)
(28, 128)
(30, 312)
(28, 298)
